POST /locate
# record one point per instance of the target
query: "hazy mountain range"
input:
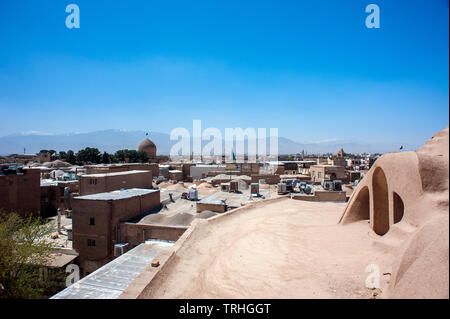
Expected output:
(113, 140)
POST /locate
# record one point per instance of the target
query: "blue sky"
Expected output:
(310, 68)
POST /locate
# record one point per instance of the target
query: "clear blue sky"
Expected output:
(310, 68)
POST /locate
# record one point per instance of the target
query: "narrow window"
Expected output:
(92, 221)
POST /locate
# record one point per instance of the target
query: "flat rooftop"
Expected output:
(281, 248)
(237, 199)
(109, 281)
(119, 194)
(114, 174)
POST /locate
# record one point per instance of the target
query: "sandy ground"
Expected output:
(281, 249)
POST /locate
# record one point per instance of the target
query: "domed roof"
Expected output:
(148, 147)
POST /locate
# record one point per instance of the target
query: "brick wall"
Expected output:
(91, 184)
(21, 193)
(134, 234)
(270, 179)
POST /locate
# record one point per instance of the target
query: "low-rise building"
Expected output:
(96, 219)
(201, 170)
(331, 172)
(100, 183)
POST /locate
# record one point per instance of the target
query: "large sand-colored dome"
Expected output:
(148, 147)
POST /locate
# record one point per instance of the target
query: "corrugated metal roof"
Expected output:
(109, 281)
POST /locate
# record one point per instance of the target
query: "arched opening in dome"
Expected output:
(380, 202)
(399, 208)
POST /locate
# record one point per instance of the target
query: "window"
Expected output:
(91, 242)
(92, 221)
(93, 181)
(320, 174)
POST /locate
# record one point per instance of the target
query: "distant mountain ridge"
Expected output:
(114, 139)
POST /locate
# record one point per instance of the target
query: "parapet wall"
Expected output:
(270, 179)
(322, 196)
(135, 234)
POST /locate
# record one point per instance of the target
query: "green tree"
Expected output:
(89, 155)
(62, 155)
(24, 251)
(106, 158)
(71, 157)
(133, 156)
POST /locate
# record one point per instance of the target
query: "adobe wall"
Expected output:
(176, 176)
(50, 199)
(322, 196)
(327, 196)
(270, 179)
(82, 211)
(21, 193)
(114, 182)
(135, 234)
(219, 208)
(107, 214)
(134, 206)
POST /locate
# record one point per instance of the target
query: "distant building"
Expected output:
(175, 175)
(43, 157)
(148, 147)
(340, 153)
(337, 161)
(331, 172)
(201, 170)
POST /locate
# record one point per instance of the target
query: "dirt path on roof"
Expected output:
(281, 249)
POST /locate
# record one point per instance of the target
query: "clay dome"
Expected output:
(148, 147)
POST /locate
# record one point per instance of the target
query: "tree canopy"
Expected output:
(24, 251)
(89, 155)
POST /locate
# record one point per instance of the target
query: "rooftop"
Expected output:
(179, 213)
(114, 174)
(237, 199)
(119, 194)
(109, 281)
(279, 248)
